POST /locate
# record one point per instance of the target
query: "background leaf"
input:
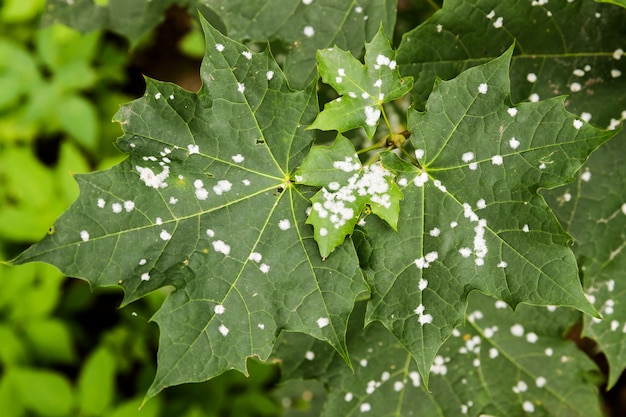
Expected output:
(490, 366)
(204, 204)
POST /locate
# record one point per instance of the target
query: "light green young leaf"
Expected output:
(204, 204)
(490, 366)
(363, 88)
(471, 217)
(347, 189)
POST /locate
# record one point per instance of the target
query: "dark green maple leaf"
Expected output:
(499, 363)
(471, 217)
(204, 204)
(348, 189)
(363, 87)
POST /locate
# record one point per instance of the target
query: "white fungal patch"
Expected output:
(365, 407)
(467, 156)
(238, 158)
(531, 337)
(434, 232)
(502, 264)
(223, 330)
(116, 208)
(222, 186)
(419, 153)
(171, 96)
(307, 2)
(465, 252)
(245, 182)
(202, 193)
(247, 54)
(617, 54)
(525, 228)
(575, 87)
(84, 235)
(265, 268)
(363, 363)
(241, 87)
(338, 80)
(157, 96)
(158, 221)
(540, 381)
(255, 257)
(101, 203)
(309, 355)
(269, 75)
(397, 386)
(425, 261)
(308, 31)
(528, 406)
(453, 224)
(165, 235)
(585, 116)
(482, 88)
(173, 200)
(497, 160)
(371, 115)
(439, 28)
(261, 326)
(219, 309)
(493, 353)
(322, 322)
(142, 261)
(210, 233)
(284, 224)
(491, 14)
(624, 209)
(439, 366)
(221, 247)
(498, 23)
(520, 387)
(323, 231)
(348, 397)
(219, 47)
(145, 276)
(481, 204)
(440, 186)
(533, 98)
(531, 77)
(421, 179)
(349, 164)
(514, 143)
(615, 73)
(473, 166)
(378, 83)
(414, 376)
(517, 330)
(578, 124)
(129, 205)
(422, 284)
(512, 111)
(193, 149)
(151, 179)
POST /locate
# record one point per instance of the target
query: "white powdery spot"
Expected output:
(425, 261)
(528, 406)
(145, 276)
(534, 97)
(397, 386)
(323, 322)
(419, 153)
(578, 124)
(129, 205)
(482, 88)
(531, 337)
(615, 73)
(514, 143)
(422, 284)
(334, 186)
(497, 160)
(323, 231)
(378, 83)
(540, 381)
(255, 257)
(222, 186)
(193, 149)
(493, 353)
(307, 2)
(481, 204)
(143, 261)
(238, 158)
(465, 252)
(498, 23)
(261, 326)
(348, 397)
(525, 228)
(440, 186)
(365, 407)
(269, 75)
(158, 221)
(223, 330)
(617, 54)
(575, 87)
(517, 330)
(491, 14)
(453, 224)
(165, 235)
(502, 264)
(421, 179)
(173, 200)
(349, 164)
(531, 77)
(221, 247)
(284, 224)
(467, 157)
(219, 47)
(371, 115)
(512, 111)
(151, 179)
(247, 54)
(309, 355)
(520, 387)
(157, 96)
(210, 233)
(308, 31)
(241, 87)
(265, 268)
(101, 203)
(439, 28)
(435, 232)
(201, 193)
(473, 166)
(363, 363)
(219, 309)
(338, 80)
(414, 376)
(439, 366)
(84, 235)
(585, 116)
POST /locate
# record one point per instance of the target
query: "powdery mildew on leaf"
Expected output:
(471, 218)
(491, 366)
(363, 87)
(204, 204)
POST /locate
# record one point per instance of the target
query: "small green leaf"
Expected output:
(96, 382)
(348, 188)
(45, 393)
(363, 88)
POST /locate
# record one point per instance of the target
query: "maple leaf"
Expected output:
(204, 204)
(471, 218)
(363, 88)
(348, 189)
